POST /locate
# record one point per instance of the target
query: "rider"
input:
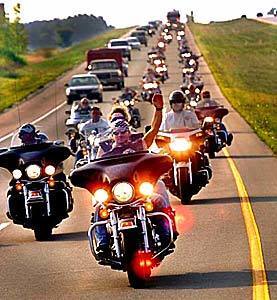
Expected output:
(29, 135)
(125, 142)
(128, 93)
(206, 100)
(83, 107)
(96, 123)
(178, 117)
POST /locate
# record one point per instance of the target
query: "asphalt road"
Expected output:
(212, 258)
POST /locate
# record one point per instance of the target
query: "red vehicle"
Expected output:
(108, 65)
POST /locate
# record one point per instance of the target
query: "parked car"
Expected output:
(84, 85)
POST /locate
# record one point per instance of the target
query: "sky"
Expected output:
(123, 13)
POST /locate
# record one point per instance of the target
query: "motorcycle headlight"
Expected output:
(208, 120)
(126, 102)
(33, 171)
(123, 192)
(50, 170)
(193, 103)
(101, 195)
(159, 69)
(119, 73)
(146, 189)
(155, 85)
(180, 145)
(67, 91)
(191, 62)
(132, 102)
(161, 44)
(187, 92)
(157, 62)
(197, 90)
(179, 38)
(17, 174)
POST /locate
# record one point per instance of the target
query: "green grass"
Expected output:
(242, 57)
(29, 78)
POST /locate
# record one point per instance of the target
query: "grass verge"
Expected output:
(28, 79)
(242, 57)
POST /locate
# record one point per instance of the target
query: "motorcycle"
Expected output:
(134, 112)
(149, 89)
(215, 131)
(39, 197)
(122, 187)
(191, 170)
(192, 95)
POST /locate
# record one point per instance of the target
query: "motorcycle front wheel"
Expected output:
(137, 269)
(43, 232)
(184, 186)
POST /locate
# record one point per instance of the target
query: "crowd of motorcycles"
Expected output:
(39, 197)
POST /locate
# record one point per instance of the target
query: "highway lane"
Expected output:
(211, 259)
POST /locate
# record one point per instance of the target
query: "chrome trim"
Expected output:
(171, 230)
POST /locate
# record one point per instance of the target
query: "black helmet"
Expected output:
(177, 96)
(26, 129)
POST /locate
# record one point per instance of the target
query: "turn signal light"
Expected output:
(51, 182)
(149, 206)
(19, 186)
(104, 214)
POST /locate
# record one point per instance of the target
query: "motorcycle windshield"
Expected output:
(211, 111)
(134, 167)
(19, 155)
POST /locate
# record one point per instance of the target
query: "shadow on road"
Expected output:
(232, 200)
(211, 280)
(72, 236)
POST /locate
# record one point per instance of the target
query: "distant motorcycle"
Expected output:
(122, 187)
(191, 170)
(149, 89)
(39, 197)
(213, 127)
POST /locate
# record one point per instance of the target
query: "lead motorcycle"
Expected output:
(191, 170)
(38, 197)
(122, 187)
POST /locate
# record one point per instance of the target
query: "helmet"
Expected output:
(42, 137)
(26, 129)
(206, 94)
(177, 96)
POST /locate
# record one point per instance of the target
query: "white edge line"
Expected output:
(4, 225)
(35, 121)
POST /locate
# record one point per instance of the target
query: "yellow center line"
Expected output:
(260, 285)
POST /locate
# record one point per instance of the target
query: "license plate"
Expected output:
(127, 224)
(34, 194)
(83, 95)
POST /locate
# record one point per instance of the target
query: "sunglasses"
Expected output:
(120, 131)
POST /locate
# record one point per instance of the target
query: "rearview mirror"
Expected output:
(66, 85)
(67, 112)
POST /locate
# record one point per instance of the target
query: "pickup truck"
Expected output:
(108, 65)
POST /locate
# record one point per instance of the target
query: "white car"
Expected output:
(134, 42)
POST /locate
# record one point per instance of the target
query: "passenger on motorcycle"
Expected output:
(178, 117)
(125, 142)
